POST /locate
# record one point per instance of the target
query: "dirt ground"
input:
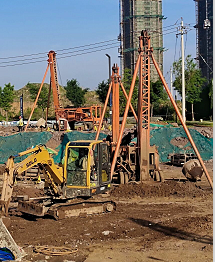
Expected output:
(153, 221)
(170, 221)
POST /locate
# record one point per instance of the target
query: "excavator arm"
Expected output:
(37, 156)
(8, 182)
(40, 156)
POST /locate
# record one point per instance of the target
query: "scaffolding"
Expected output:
(135, 16)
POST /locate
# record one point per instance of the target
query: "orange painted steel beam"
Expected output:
(125, 117)
(143, 131)
(141, 136)
(146, 82)
(35, 102)
(182, 121)
(51, 56)
(115, 104)
(103, 112)
(126, 96)
(47, 109)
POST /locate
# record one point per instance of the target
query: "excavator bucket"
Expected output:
(8, 182)
(29, 207)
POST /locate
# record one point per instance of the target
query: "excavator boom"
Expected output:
(82, 176)
(37, 156)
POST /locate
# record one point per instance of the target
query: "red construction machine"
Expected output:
(66, 117)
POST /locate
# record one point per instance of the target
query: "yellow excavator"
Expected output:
(70, 187)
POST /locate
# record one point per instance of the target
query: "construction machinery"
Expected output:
(66, 117)
(85, 172)
(132, 161)
(139, 161)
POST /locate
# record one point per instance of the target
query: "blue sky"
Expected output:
(31, 27)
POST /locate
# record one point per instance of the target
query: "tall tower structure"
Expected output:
(135, 16)
(204, 36)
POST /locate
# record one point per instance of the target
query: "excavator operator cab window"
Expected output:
(95, 156)
(94, 167)
(77, 166)
(105, 163)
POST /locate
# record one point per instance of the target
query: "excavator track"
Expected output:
(72, 208)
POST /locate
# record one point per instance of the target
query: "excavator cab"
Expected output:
(87, 168)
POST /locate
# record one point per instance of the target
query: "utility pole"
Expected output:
(182, 69)
(109, 64)
(21, 106)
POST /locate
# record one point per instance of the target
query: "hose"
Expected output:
(54, 251)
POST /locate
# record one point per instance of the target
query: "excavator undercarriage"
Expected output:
(71, 208)
(71, 189)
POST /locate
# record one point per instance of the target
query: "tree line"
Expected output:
(160, 104)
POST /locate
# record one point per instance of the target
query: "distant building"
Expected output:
(135, 16)
(204, 36)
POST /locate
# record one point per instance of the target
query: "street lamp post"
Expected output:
(109, 63)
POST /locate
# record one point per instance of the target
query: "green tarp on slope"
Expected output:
(162, 137)
(73, 136)
(12, 145)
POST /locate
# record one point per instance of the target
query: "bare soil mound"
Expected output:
(206, 131)
(56, 139)
(29, 191)
(154, 189)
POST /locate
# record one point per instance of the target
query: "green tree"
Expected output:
(210, 93)
(127, 79)
(157, 95)
(75, 93)
(7, 96)
(1, 104)
(43, 97)
(193, 81)
(102, 90)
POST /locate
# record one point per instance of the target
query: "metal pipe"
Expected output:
(126, 96)
(115, 103)
(103, 112)
(37, 98)
(125, 116)
(183, 72)
(182, 121)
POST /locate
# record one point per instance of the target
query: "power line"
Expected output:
(173, 32)
(175, 47)
(59, 73)
(171, 25)
(27, 59)
(167, 28)
(86, 45)
(33, 62)
(76, 47)
(88, 52)
(205, 62)
(87, 49)
(10, 57)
